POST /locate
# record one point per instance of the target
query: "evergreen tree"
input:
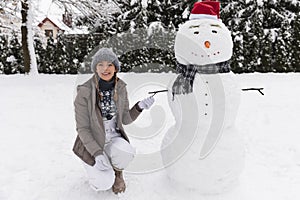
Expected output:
(71, 56)
(60, 57)
(162, 53)
(257, 35)
(14, 62)
(171, 12)
(230, 15)
(290, 5)
(48, 63)
(91, 42)
(252, 33)
(39, 52)
(267, 17)
(247, 62)
(140, 14)
(232, 19)
(271, 15)
(266, 53)
(282, 53)
(237, 59)
(3, 56)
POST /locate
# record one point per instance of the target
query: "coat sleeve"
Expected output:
(129, 115)
(82, 118)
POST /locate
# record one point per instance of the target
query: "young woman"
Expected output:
(101, 108)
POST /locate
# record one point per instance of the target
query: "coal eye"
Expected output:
(196, 32)
(214, 31)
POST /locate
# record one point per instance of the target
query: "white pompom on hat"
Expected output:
(105, 54)
(206, 9)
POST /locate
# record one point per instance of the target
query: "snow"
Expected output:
(48, 7)
(11, 59)
(186, 13)
(260, 2)
(144, 4)
(154, 26)
(38, 131)
(274, 33)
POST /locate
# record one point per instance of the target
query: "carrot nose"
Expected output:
(207, 44)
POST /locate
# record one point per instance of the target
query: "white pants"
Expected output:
(118, 153)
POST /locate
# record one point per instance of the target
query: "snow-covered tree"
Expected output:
(14, 60)
(9, 22)
(97, 15)
(30, 65)
(4, 51)
(282, 45)
(140, 14)
(72, 56)
(144, 27)
(260, 28)
(48, 63)
(272, 17)
(39, 51)
(266, 53)
(237, 59)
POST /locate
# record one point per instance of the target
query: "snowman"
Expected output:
(203, 150)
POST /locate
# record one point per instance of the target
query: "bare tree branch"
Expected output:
(91, 10)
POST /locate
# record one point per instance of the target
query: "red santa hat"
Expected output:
(206, 9)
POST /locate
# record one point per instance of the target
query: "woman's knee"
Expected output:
(122, 153)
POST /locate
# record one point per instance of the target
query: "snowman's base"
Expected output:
(217, 173)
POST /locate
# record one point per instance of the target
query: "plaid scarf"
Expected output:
(184, 82)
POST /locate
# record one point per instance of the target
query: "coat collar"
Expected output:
(93, 80)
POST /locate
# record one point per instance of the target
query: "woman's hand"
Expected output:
(146, 103)
(102, 162)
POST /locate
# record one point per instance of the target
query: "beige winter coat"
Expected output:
(89, 124)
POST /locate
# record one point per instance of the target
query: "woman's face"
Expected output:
(105, 70)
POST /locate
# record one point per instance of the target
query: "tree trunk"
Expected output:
(24, 31)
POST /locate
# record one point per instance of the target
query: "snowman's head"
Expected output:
(203, 41)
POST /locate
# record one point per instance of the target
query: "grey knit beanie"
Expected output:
(105, 54)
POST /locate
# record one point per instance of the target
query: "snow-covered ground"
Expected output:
(38, 130)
